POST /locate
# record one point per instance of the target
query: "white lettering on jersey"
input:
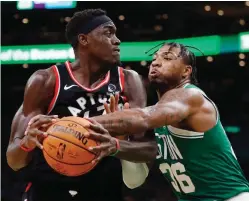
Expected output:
(97, 101)
(101, 108)
(102, 99)
(168, 146)
(91, 98)
(174, 170)
(74, 111)
(82, 102)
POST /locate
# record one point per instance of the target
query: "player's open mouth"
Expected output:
(154, 72)
(116, 50)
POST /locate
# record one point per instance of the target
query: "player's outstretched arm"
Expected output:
(173, 107)
(37, 96)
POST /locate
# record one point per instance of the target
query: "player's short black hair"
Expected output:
(188, 57)
(78, 20)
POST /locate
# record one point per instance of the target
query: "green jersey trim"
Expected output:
(203, 93)
(177, 132)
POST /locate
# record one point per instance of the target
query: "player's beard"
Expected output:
(158, 86)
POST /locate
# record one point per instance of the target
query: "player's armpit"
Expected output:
(38, 93)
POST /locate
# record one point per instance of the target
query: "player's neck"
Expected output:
(183, 83)
(163, 90)
(89, 71)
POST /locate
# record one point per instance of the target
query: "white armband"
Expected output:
(134, 174)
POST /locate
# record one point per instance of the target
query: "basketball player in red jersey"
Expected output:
(80, 88)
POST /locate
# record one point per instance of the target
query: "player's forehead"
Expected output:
(108, 25)
(168, 49)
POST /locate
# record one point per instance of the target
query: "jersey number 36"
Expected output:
(177, 177)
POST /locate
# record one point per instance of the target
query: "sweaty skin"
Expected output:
(179, 107)
(37, 97)
(38, 94)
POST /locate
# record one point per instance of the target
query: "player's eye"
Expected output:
(108, 33)
(167, 58)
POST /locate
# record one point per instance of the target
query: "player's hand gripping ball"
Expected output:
(108, 144)
(66, 149)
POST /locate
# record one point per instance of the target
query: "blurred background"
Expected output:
(33, 38)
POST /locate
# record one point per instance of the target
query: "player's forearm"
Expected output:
(138, 120)
(124, 122)
(137, 151)
(16, 157)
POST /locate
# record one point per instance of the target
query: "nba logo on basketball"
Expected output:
(60, 151)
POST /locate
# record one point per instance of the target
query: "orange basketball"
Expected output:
(66, 149)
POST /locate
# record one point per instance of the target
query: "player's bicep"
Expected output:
(136, 94)
(174, 107)
(20, 122)
(36, 100)
(135, 90)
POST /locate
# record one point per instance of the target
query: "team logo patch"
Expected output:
(111, 88)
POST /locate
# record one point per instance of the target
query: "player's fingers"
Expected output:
(37, 117)
(98, 128)
(112, 103)
(107, 108)
(92, 121)
(52, 121)
(116, 101)
(97, 137)
(38, 144)
(34, 119)
(100, 148)
(126, 105)
(112, 149)
(47, 125)
(102, 155)
(36, 132)
(43, 120)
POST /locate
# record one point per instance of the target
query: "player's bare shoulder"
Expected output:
(203, 116)
(197, 98)
(190, 96)
(134, 88)
(132, 79)
(40, 87)
(130, 73)
(42, 76)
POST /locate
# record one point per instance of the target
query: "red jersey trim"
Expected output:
(125, 99)
(102, 83)
(121, 78)
(56, 89)
(28, 187)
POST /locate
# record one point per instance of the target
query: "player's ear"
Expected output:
(187, 71)
(82, 38)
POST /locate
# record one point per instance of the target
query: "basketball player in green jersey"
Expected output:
(194, 153)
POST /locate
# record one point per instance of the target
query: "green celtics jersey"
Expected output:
(199, 166)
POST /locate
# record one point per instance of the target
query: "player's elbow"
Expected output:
(12, 160)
